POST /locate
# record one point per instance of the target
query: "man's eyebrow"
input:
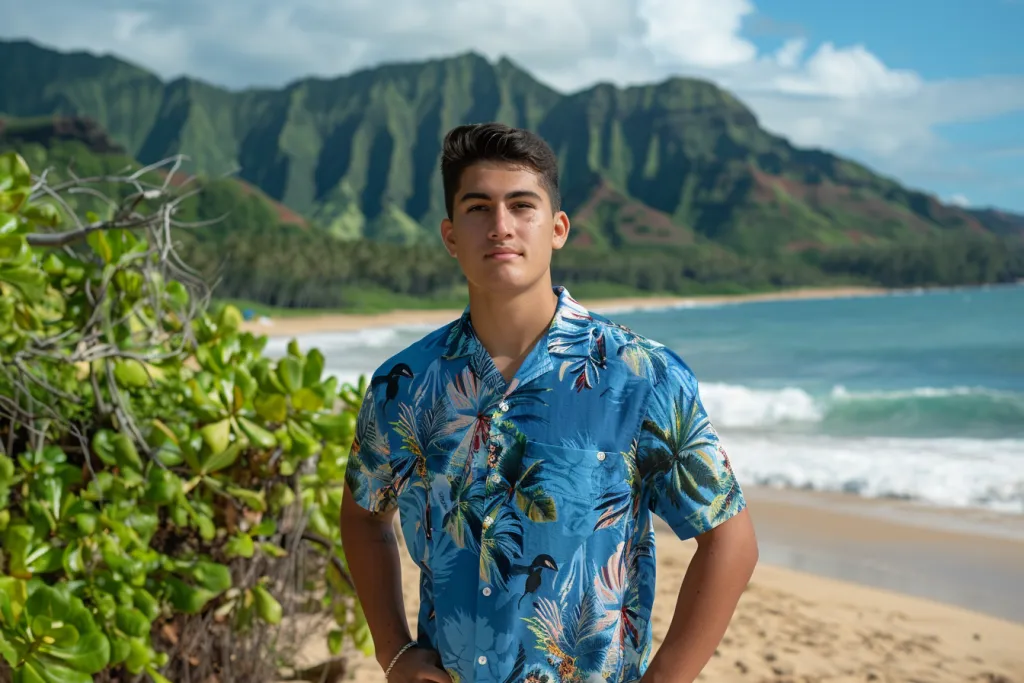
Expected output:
(515, 194)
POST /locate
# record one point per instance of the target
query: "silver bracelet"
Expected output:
(387, 672)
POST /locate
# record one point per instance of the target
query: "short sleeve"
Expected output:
(682, 463)
(368, 472)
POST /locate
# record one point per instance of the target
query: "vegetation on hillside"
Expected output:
(169, 496)
(251, 250)
(658, 165)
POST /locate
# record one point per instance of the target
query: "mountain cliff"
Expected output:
(665, 164)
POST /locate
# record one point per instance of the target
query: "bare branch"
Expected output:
(59, 239)
(326, 543)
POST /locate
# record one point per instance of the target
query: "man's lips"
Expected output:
(503, 255)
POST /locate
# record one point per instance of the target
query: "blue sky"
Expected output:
(982, 159)
(930, 93)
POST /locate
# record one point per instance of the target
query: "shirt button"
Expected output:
(600, 455)
(487, 590)
(481, 660)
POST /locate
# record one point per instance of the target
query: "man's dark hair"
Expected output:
(471, 143)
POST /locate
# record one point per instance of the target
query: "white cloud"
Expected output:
(959, 200)
(697, 33)
(788, 56)
(844, 73)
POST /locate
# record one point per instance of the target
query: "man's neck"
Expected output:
(509, 326)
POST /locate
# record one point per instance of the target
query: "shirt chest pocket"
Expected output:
(579, 478)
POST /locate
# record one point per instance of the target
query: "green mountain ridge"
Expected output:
(258, 250)
(650, 166)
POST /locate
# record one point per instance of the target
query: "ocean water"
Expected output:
(916, 396)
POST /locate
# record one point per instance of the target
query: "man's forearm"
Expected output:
(371, 550)
(714, 581)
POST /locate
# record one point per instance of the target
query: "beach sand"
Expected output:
(795, 626)
(345, 322)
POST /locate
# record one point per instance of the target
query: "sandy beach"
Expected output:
(797, 626)
(345, 322)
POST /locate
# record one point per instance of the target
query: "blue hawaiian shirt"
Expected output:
(528, 505)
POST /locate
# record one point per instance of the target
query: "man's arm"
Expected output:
(371, 549)
(718, 573)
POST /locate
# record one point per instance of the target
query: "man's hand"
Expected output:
(419, 665)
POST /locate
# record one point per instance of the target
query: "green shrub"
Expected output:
(169, 497)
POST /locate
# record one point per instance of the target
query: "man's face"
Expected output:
(502, 229)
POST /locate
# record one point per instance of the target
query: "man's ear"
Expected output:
(448, 236)
(560, 233)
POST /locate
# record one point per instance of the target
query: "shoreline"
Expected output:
(970, 559)
(349, 322)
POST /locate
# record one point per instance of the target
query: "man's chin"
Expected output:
(504, 280)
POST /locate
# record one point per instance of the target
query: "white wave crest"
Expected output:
(948, 472)
(731, 405)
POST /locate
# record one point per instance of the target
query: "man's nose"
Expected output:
(501, 224)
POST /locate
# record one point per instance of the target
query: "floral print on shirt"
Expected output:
(528, 504)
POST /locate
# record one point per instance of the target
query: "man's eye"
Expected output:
(475, 207)
(522, 205)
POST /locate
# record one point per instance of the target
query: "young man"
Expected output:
(527, 446)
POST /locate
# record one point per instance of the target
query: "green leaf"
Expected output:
(240, 545)
(156, 676)
(271, 407)
(36, 671)
(259, 436)
(314, 368)
(273, 550)
(99, 243)
(186, 598)
(15, 181)
(207, 530)
(132, 622)
(212, 575)
(139, 656)
(177, 294)
(267, 606)
(304, 444)
(8, 223)
(130, 373)
(308, 400)
(43, 214)
(146, 603)
(125, 453)
(222, 460)
(217, 435)
(281, 496)
(289, 371)
(30, 280)
(163, 486)
(9, 653)
(334, 640)
(230, 319)
(120, 648)
(14, 252)
(252, 499)
(91, 652)
(318, 523)
(338, 427)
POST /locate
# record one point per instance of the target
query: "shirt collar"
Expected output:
(570, 322)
